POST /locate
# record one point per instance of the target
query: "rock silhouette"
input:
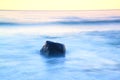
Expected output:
(53, 49)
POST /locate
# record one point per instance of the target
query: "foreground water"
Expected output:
(93, 53)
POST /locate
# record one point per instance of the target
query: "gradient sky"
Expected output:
(59, 4)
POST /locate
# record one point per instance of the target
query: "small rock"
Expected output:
(53, 49)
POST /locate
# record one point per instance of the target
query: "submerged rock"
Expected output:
(53, 49)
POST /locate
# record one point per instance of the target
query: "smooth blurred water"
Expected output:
(93, 53)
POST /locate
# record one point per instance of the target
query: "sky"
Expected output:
(59, 4)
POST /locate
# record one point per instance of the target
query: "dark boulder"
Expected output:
(53, 49)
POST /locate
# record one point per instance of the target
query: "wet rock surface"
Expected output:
(53, 49)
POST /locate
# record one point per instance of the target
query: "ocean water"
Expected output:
(93, 50)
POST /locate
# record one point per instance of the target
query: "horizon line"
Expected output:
(60, 10)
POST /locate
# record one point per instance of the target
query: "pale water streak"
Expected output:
(55, 29)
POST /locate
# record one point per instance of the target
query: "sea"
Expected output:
(91, 38)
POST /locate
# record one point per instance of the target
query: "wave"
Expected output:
(9, 23)
(78, 20)
(89, 22)
(70, 21)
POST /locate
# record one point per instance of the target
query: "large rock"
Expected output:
(53, 49)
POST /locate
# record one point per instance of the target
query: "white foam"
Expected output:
(54, 30)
